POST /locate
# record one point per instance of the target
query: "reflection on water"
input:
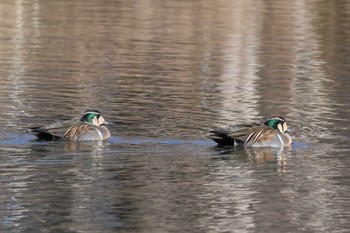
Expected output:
(164, 73)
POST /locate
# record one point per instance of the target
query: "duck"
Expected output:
(273, 133)
(89, 128)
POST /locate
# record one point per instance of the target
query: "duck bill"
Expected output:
(107, 123)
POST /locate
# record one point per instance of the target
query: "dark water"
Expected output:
(165, 72)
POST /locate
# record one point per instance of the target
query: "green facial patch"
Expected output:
(273, 123)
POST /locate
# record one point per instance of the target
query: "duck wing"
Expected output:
(252, 135)
(77, 130)
(232, 134)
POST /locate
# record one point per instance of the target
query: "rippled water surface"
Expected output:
(165, 72)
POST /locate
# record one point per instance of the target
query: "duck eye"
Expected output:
(280, 127)
(101, 120)
(285, 127)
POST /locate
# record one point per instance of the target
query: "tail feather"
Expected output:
(43, 134)
(232, 135)
(221, 137)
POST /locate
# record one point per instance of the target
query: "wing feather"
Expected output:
(76, 130)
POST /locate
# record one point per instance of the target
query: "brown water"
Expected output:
(165, 72)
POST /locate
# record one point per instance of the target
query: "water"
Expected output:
(165, 72)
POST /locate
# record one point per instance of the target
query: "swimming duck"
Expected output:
(89, 128)
(273, 133)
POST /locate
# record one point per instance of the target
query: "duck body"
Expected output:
(271, 134)
(85, 132)
(89, 128)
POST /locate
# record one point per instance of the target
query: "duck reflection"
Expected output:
(269, 155)
(87, 146)
(259, 156)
